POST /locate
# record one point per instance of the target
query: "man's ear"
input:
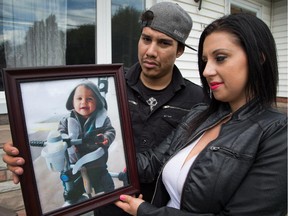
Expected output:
(180, 50)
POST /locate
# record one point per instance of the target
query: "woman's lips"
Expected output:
(215, 85)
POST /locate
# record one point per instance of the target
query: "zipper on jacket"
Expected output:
(132, 102)
(173, 107)
(230, 152)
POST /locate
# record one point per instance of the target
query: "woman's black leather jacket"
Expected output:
(242, 172)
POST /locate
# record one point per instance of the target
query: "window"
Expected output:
(235, 9)
(64, 32)
(81, 32)
(238, 6)
(126, 30)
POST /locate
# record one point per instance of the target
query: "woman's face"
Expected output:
(226, 69)
(84, 101)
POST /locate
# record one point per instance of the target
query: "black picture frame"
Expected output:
(36, 99)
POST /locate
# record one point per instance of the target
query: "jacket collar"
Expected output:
(251, 108)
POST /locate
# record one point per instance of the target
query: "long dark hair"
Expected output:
(258, 43)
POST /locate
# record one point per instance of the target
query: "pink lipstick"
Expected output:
(215, 85)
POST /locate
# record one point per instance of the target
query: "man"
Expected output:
(158, 95)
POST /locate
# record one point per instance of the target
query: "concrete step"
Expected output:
(7, 212)
(11, 196)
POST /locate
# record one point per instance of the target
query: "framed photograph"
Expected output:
(72, 126)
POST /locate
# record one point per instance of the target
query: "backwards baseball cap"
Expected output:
(170, 19)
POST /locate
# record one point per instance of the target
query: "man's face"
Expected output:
(157, 53)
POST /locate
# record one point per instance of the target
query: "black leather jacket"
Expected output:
(242, 172)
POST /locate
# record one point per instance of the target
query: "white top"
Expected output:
(175, 173)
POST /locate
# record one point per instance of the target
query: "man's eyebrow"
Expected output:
(145, 35)
(168, 40)
(161, 40)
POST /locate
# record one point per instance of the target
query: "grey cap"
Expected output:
(170, 19)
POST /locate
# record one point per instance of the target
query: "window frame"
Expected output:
(3, 107)
(253, 7)
(104, 32)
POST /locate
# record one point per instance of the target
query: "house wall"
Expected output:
(279, 30)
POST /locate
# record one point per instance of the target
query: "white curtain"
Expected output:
(34, 32)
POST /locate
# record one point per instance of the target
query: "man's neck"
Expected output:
(156, 83)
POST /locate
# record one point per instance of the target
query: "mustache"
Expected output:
(150, 61)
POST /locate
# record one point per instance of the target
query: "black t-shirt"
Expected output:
(153, 98)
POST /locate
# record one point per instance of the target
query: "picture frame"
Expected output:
(44, 120)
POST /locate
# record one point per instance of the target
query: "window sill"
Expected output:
(3, 107)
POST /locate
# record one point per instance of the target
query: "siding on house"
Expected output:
(279, 30)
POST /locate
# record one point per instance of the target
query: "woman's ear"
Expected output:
(262, 58)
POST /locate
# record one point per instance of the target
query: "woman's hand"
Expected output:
(13, 162)
(130, 204)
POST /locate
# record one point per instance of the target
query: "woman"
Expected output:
(229, 158)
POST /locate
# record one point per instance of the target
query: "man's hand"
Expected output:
(130, 204)
(13, 162)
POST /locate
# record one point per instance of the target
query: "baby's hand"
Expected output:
(101, 140)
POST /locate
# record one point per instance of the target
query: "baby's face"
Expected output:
(84, 101)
